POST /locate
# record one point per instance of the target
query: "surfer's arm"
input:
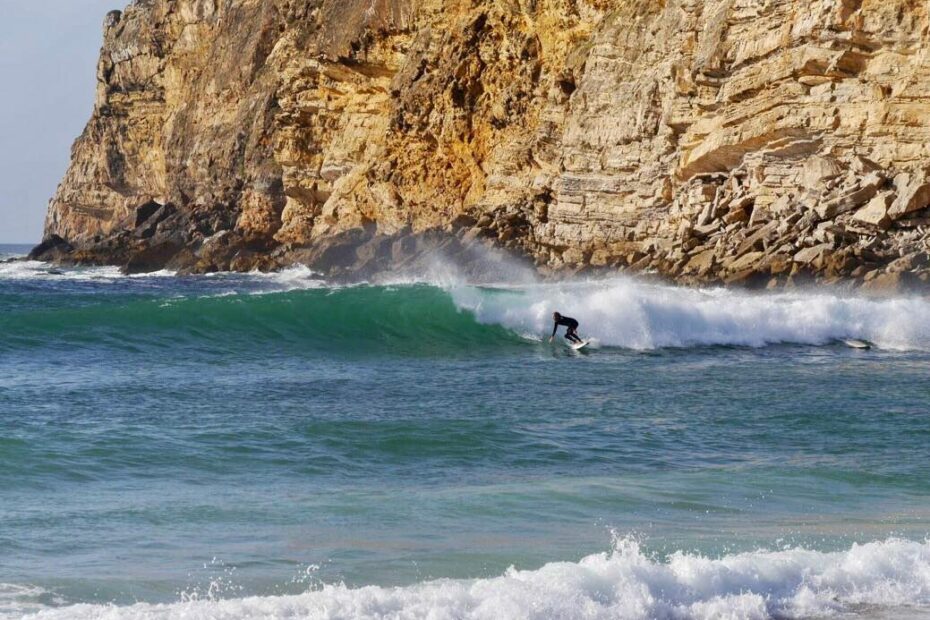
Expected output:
(555, 328)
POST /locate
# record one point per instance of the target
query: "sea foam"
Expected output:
(630, 313)
(891, 576)
(37, 270)
(31, 270)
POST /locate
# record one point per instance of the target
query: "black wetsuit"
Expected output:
(570, 333)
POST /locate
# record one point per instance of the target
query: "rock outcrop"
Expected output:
(761, 142)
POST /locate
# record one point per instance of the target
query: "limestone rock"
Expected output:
(876, 212)
(893, 282)
(809, 255)
(860, 192)
(913, 194)
(747, 261)
(53, 248)
(657, 135)
(700, 264)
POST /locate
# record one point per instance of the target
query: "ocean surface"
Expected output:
(271, 446)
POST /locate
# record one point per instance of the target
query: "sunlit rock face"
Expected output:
(743, 141)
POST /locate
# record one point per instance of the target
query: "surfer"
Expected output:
(571, 334)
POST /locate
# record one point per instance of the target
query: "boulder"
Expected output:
(749, 278)
(875, 213)
(890, 282)
(779, 264)
(707, 230)
(756, 240)
(146, 211)
(151, 258)
(708, 213)
(51, 249)
(149, 216)
(744, 262)
(737, 215)
(809, 255)
(908, 262)
(700, 263)
(854, 196)
(913, 194)
(817, 170)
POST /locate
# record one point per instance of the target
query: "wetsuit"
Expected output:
(570, 333)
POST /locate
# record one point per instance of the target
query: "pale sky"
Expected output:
(48, 62)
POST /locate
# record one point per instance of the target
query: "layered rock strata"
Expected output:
(763, 142)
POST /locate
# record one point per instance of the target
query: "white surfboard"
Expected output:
(857, 344)
(578, 346)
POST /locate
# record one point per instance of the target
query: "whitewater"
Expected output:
(627, 313)
(277, 446)
(623, 584)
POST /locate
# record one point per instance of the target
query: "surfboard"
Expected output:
(578, 346)
(857, 344)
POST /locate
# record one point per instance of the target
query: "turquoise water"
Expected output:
(267, 446)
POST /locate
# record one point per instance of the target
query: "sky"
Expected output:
(48, 66)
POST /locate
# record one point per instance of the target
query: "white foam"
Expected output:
(625, 312)
(295, 278)
(32, 270)
(875, 578)
(17, 600)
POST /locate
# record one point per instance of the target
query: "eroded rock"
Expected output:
(702, 140)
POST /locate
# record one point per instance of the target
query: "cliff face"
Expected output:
(719, 140)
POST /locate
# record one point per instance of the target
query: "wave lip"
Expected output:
(626, 584)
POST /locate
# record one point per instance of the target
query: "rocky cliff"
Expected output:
(741, 141)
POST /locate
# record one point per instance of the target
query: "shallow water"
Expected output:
(267, 445)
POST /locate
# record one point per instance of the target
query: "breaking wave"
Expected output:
(632, 314)
(869, 580)
(433, 316)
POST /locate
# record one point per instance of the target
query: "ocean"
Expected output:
(274, 446)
